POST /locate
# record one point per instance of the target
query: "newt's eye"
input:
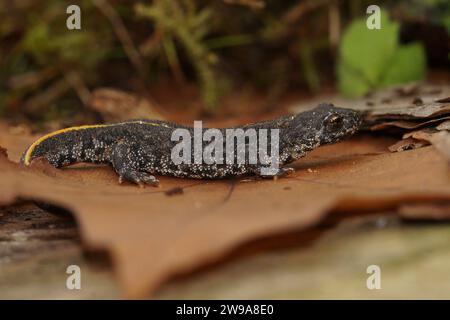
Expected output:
(334, 121)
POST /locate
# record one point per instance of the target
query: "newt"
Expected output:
(139, 149)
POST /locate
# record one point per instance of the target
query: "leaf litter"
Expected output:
(416, 112)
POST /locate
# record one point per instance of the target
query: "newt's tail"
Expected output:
(61, 147)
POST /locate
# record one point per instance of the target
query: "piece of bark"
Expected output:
(439, 139)
(443, 100)
(424, 134)
(407, 144)
(444, 125)
(403, 124)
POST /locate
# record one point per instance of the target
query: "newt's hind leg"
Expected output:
(125, 160)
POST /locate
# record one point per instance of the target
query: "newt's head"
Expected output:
(325, 124)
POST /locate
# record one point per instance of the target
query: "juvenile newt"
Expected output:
(138, 149)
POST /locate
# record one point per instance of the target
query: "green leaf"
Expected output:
(371, 59)
(368, 51)
(407, 64)
(351, 84)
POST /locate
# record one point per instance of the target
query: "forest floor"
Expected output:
(36, 247)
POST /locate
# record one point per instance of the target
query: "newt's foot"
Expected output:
(283, 172)
(125, 162)
(140, 178)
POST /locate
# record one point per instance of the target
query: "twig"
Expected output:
(253, 4)
(296, 13)
(46, 97)
(334, 25)
(31, 78)
(122, 34)
(172, 59)
(149, 47)
(77, 83)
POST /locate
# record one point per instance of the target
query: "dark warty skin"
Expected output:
(137, 149)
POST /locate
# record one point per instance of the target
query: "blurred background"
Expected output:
(209, 58)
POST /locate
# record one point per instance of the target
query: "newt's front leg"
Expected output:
(125, 160)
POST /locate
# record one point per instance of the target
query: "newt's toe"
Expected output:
(146, 178)
(283, 172)
(139, 178)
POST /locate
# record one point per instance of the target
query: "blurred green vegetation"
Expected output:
(371, 59)
(220, 46)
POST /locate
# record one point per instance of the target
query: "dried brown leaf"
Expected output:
(441, 141)
(435, 211)
(117, 105)
(396, 103)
